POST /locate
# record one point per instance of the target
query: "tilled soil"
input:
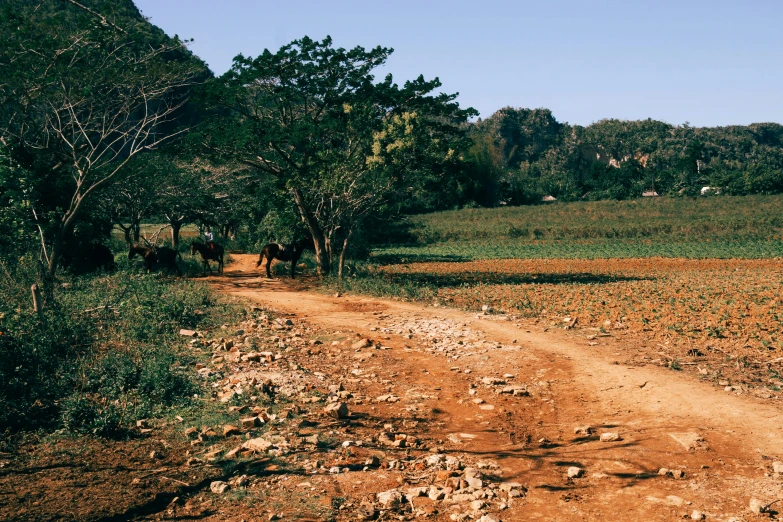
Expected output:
(351, 408)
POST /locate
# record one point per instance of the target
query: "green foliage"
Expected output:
(338, 143)
(106, 354)
(748, 227)
(83, 93)
(523, 155)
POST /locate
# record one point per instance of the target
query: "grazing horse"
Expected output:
(209, 251)
(288, 252)
(88, 258)
(153, 256)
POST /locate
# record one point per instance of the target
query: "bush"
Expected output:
(104, 354)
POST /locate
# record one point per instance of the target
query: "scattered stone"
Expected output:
(155, 455)
(610, 436)
(677, 473)
(229, 430)
(492, 381)
(250, 422)
(516, 390)
(366, 509)
(233, 453)
(689, 440)
(372, 462)
(575, 472)
(219, 487)
(697, 515)
(361, 343)
(777, 467)
(490, 518)
(759, 506)
(675, 500)
(259, 444)
(475, 483)
(187, 333)
(487, 309)
(584, 431)
(478, 505)
(508, 486)
(338, 410)
(389, 499)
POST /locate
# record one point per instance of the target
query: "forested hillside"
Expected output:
(521, 155)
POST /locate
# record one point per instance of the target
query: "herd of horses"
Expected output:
(166, 258)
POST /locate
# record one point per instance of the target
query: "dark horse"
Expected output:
(209, 251)
(288, 252)
(154, 256)
(88, 258)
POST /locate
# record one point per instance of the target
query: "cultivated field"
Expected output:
(715, 227)
(692, 278)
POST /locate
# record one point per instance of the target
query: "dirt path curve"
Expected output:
(723, 442)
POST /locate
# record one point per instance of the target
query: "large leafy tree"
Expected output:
(312, 116)
(81, 96)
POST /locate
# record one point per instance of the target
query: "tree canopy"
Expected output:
(342, 144)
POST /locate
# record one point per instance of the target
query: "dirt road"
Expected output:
(719, 446)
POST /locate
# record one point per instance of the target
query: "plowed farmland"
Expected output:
(727, 309)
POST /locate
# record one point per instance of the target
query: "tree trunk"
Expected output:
(319, 241)
(136, 231)
(175, 228)
(342, 255)
(126, 231)
(55, 252)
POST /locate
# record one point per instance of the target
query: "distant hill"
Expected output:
(521, 155)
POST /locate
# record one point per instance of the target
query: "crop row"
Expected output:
(730, 305)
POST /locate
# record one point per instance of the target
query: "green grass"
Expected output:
(105, 352)
(710, 227)
(598, 249)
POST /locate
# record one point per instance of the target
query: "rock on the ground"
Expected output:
(361, 343)
(583, 431)
(610, 436)
(230, 429)
(219, 487)
(777, 466)
(259, 444)
(338, 410)
(697, 515)
(490, 518)
(575, 472)
(390, 498)
(367, 511)
(758, 506)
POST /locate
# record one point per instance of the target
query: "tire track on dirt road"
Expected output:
(660, 414)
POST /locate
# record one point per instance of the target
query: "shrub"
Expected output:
(104, 354)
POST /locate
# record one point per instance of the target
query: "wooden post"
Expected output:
(37, 303)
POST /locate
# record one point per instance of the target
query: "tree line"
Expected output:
(522, 155)
(105, 121)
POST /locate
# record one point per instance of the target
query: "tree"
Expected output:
(132, 199)
(81, 99)
(308, 115)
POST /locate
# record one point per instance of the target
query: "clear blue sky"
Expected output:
(708, 62)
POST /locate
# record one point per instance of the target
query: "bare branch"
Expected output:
(97, 15)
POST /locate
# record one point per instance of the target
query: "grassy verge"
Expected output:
(105, 353)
